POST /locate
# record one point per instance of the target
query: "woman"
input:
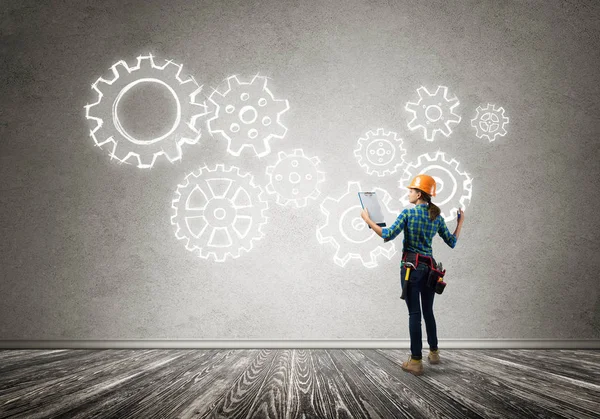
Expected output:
(420, 224)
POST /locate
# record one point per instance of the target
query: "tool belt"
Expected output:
(435, 275)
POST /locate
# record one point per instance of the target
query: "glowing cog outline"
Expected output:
(217, 123)
(443, 107)
(222, 187)
(486, 118)
(439, 161)
(317, 177)
(364, 145)
(109, 129)
(345, 248)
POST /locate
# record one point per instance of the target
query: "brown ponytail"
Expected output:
(433, 209)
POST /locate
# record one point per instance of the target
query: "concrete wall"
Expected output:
(88, 250)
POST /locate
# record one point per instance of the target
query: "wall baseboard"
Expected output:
(299, 344)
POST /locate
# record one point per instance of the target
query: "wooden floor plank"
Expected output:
(239, 398)
(45, 371)
(557, 362)
(373, 399)
(306, 397)
(342, 400)
(473, 388)
(523, 385)
(399, 389)
(299, 383)
(199, 373)
(118, 386)
(46, 390)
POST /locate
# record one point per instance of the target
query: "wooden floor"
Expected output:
(278, 383)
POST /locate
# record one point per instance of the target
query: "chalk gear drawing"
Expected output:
(453, 187)
(109, 131)
(294, 178)
(219, 212)
(433, 113)
(247, 115)
(349, 234)
(380, 152)
(490, 122)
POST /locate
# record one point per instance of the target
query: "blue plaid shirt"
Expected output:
(419, 230)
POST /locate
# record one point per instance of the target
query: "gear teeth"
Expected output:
(482, 124)
(172, 70)
(444, 105)
(201, 243)
(240, 111)
(390, 144)
(448, 212)
(346, 248)
(128, 150)
(301, 165)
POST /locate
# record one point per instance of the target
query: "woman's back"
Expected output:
(419, 230)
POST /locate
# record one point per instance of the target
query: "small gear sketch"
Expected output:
(105, 111)
(294, 178)
(433, 113)
(349, 233)
(219, 212)
(453, 187)
(247, 114)
(490, 122)
(380, 152)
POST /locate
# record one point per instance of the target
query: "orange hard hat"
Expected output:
(425, 183)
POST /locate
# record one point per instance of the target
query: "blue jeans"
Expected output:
(418, 286)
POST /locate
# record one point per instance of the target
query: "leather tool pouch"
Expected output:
(435, 280)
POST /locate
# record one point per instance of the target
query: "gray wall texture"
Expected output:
(88, 250)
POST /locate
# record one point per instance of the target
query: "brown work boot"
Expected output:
(434, 356)
(415, 367)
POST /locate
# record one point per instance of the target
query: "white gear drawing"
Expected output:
(453, 187)
(219, 212)
(349, 233)
(109, 130)
(433, 113)
(294, 178)
(380, 152)
(490, 122)
(246, 114)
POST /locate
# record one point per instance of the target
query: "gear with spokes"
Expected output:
(490, 122)
(109, 133)
(453, 187)
(219, 212)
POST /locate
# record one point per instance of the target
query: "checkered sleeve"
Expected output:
(390, 233)
(445, 234)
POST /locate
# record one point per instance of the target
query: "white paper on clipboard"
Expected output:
(369, 201)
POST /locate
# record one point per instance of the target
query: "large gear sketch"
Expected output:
(433, 113)
(109, 130)
(490, 122)
(349, 234)
(219, 212)
(294, 178)
(247, 114)
(380, 152)
(453, 187)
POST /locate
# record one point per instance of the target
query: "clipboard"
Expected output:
(369, 201)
